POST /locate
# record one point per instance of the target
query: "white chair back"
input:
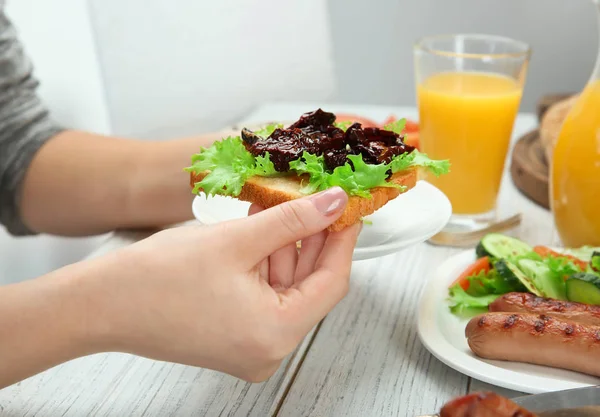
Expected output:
(179, 67)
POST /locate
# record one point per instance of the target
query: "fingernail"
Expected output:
(330, 201)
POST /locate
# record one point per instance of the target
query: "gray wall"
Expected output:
(373, 42)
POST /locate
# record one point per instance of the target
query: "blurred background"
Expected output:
(158, 69)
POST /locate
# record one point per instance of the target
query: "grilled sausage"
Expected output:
(517, 302)
(483, 404)
(536, 339)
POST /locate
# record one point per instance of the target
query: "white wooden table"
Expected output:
(364, 359)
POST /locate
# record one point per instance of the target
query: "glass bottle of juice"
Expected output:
(575, 170)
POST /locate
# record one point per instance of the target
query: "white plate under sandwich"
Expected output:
(409, 219)
(443, 334)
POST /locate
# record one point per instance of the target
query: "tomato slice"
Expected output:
(481, 264)
(412, 139)
(411, 126)
(390, 119)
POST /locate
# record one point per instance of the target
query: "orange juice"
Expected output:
(468, 117)
(576, 172)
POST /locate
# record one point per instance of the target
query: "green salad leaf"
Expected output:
(397, 127)
(356, 179)
(416, 158)
(402, 162)
(360, 177)
(343, 125)
(437, 168)
(264, 167)
(314, 166)
(230, 165)
(548, 275)
(492, 283)
(465, 305)
(268, 130)
(560, 267)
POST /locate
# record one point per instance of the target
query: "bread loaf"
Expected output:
(551, 123)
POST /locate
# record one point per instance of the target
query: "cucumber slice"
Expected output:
(510, 272)
(584, 288)
(500, 246)
(480, 251)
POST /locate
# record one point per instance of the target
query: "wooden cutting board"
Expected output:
(529, 169)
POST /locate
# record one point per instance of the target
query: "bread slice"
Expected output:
(268, 192)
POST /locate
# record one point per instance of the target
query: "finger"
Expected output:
(318, 293)
(309, 253)
(263, 266)
(279, 269)
(254, 208)
(287, 223)
(282, 266)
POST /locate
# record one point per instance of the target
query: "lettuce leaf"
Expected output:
(437, 168)
(356, 178)
(264, 167)
(488, 283)
(221, 180)
(230, 165)
(343, 125)
(224, 152)
(397, 127)
(465, 305)
(418, 159)
(314, 166)
(560, 267)
(268, 130)
(361, 177)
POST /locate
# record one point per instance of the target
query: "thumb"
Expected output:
(286, 223)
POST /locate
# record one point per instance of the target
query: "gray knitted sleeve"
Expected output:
(25, 124)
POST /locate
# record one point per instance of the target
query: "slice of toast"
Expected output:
(268, 192)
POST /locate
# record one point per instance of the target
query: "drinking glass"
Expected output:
(469, 89)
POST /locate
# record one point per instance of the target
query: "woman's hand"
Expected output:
(235, 297)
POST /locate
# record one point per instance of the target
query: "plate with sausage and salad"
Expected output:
(522, 317)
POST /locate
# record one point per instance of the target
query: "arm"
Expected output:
(208, 300)
(49, 312)
(80, 183)
(66, 182)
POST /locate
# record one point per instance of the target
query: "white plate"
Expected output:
(409, 219)
(443, 334)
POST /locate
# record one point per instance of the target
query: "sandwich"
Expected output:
(277, 164)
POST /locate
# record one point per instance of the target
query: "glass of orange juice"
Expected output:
(469, 91)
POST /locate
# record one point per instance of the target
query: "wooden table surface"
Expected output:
(363, 359)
